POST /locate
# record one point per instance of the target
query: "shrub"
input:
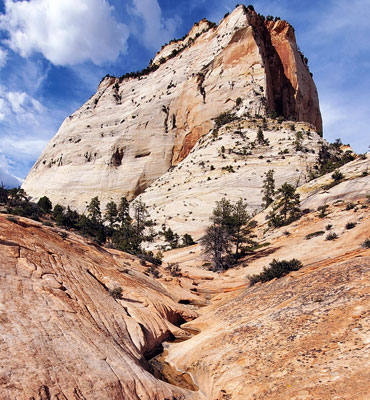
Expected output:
(276, 269)
(328, 227)
(337, 176)
(350, 206)
(331, 236)
(45, 204)
(153, 271)
(116, 293)
(323, 212)
(238, 101)
(174, 269)
(350, 225)
(224, 118)
(12, 219)
(314, 234)
(366, 243)
(187, 239)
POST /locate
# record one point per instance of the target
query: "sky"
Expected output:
(53, 54)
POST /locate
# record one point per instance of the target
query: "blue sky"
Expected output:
(53, 54)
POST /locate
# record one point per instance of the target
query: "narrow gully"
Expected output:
(161, 369)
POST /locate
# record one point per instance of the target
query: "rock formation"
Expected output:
(66, 336)
(136, 127)
(233, 165)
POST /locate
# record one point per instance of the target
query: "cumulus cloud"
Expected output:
(14, 104)
(65, 32)
(157, 29)
(3, 57)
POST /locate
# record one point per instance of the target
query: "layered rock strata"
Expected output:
(231, 163)
(135, 128)
(64, 335)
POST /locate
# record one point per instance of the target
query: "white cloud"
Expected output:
(66, 32)
(6, 175)
(16, 99)
(4, 109)
(157, 29)
(16, 105)
(3, 57)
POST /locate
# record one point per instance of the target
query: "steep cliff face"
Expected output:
(135, 128)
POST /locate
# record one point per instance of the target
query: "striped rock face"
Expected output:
(135, 128)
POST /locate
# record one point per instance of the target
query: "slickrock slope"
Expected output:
(305, 336)
(233, 165)
(134, 129)
(354, 185)
(62, 335)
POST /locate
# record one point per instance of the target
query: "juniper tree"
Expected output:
(171, 237)
(286, 209)
(93, 210)
(45, 205)
(187, 240)
(123, 215)
(268, 188)
(216, 242)
(111, 213)
(228, 227)
(58, 214)
(239, 218)
(3, 194)
(260, 136)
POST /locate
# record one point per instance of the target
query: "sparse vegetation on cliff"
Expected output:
(286, 209)
(276, 269)
(231, 228)
(116, 228)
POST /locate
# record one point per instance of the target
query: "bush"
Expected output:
(323, 212)
(331, 236)
(350, 225)
(337, 176)
(276, 269)
(116, 293)
(350, 206)
(328, 227)
(174, 269)
(314, 234)
(45, 205)
(187, 239)
(366, 243)
(153, 271)
(224, 119)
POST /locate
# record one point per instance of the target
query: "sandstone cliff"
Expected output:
(303, 336)
(231, 164)
(135, 128)
(63, 335)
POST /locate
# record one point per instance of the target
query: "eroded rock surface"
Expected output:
(304, 336)
(231, 164)
(133, 130)
(63, 335)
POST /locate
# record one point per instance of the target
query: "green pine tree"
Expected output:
(268, 188)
